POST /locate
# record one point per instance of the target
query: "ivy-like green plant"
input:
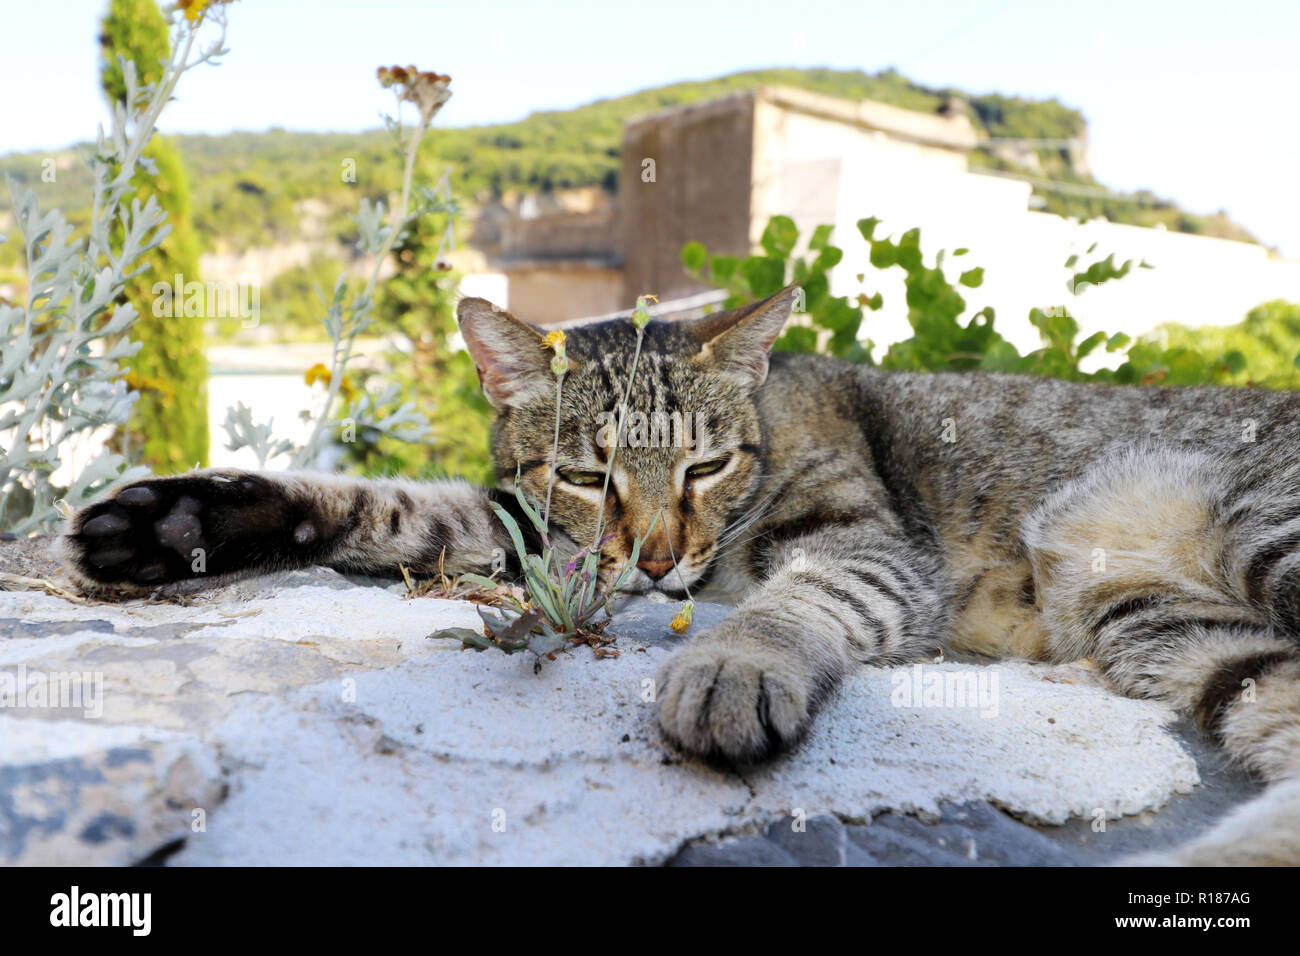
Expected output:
(944, 337)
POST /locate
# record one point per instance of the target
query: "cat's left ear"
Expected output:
(738, 342)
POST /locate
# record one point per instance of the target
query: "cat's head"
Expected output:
(692, 446)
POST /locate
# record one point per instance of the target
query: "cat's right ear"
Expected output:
(513, 359)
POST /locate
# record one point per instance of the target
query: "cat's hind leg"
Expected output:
(1136, 567)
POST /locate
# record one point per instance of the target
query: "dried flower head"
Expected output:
(427, 90)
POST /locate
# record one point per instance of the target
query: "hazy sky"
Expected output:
(1196, 100)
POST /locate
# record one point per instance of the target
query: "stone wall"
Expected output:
(703, 164)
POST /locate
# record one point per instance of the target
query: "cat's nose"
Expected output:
(655, 567)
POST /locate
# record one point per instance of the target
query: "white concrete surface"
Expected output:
(301, 720)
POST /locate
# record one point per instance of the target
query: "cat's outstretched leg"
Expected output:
(848, 593)
(1145, 565)
(215, 523)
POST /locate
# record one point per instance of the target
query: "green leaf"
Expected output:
(634, 556)
(765, 275)
(465, 635)
(829, 258)
(868, 227)
(694, 256)
(476, 641)
(512, 529)
(1090, 343)
(972, 278)
(721, 270)
(797, 338)
(779, 237)
(533, 514)
(541, 589)
(820, 238)
(883, 254)
(1235, 361)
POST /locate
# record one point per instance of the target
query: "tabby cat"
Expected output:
(868, 517)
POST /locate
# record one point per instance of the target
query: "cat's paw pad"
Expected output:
(738, 703)
(152, 532)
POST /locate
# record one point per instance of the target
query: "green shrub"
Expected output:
(944, 337)
(1268, 340)
(418, 303)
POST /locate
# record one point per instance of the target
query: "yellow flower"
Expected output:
(193, 9)
(555, 340)
(684, 616)
(317, 373)
(145, 383)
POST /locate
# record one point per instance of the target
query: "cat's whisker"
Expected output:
(731, 534)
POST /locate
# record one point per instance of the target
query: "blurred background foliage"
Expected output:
(1268, 342)
(417, 305)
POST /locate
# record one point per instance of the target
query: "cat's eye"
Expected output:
(707, 468)
(583, 478)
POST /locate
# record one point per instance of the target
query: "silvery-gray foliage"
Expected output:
(61, 371)
(61, 376)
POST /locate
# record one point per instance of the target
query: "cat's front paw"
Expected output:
(735, 701)
(163, 530)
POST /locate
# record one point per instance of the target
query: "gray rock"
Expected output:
(742, 851)
(970, 834)
(15, 627)
(817, 841)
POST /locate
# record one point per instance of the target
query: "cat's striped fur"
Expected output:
(870, 517)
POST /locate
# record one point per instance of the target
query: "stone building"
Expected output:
(712, 172)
